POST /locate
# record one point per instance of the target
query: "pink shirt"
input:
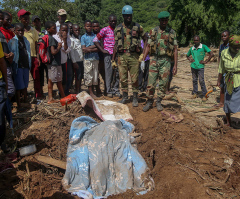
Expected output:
(107, 34)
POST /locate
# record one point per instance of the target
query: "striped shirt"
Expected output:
(107, 34)
(229, 64)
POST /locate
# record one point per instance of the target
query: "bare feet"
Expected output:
(93, 96)
(228, 124)
(52, 101)
(220, 105)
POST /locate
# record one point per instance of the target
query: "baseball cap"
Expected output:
(22, 12)
(61, 12)
(35, 17)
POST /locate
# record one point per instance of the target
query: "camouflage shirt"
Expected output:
(166, 40)
(132, 34)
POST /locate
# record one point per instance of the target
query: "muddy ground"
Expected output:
(196, 158)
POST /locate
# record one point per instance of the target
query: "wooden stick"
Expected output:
(51, 161)
(192, 170)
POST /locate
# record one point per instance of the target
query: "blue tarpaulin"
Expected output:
(101, 160)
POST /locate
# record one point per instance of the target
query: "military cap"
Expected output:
(163, 14)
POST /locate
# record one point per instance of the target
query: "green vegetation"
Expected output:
(208, 18)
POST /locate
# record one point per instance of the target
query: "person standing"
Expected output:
(143, 74)
(162, 45)
(3, 93)
(225, 38)
(229, 65)
(32, 36)
(91, 59)
(77, 57)
(21, 64)
(63, 37)
(197, 65)
(55, 68)
(107, 35)
(128, 46)
(62, 17)
(36, 22)
(6, 35)
(101, 70)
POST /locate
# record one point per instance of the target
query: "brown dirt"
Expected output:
(196, 158)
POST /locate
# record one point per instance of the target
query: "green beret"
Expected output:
(163, 14)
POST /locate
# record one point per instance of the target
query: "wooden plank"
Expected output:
(51, 161)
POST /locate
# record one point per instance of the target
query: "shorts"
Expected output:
(21, 78)
(55, 73)
(91, 72)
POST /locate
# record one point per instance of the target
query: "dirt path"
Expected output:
(196, 158)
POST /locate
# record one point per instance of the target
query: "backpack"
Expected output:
(44, 50)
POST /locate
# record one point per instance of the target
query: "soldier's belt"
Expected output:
(159, 57)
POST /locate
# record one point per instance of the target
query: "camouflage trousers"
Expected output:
(128, 62)
(159, 69)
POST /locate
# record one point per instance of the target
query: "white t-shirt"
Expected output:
(64, 53)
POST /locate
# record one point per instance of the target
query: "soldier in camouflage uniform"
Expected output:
(162, 45)
(128, 46)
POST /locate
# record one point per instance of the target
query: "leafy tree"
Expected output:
(208, 18)
(144, 12)
(88, 9)
(45, 9)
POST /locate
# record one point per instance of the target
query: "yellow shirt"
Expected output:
(229, 64)
(1, 56)
(32, 37)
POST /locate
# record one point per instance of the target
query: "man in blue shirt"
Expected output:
(91, 58)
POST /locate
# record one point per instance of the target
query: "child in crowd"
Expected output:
(101, 69)
(20, 46)
(197, 65)
(91, 58)
(54, 69)
(5, 35)
(77, 57)
(70, 27)
(32, 36)
(63, 37)
(3, 90)
(36, 22)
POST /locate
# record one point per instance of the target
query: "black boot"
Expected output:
(124, 99)
(148, 105)
(135, 99)
(158, 104)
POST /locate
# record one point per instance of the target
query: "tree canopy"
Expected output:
(207, 18)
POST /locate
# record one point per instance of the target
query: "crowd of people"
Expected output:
(113, 51)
